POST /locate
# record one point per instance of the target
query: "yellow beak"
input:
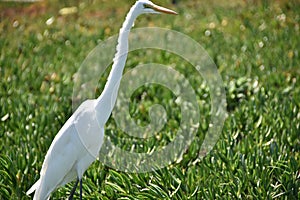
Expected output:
(163, 10)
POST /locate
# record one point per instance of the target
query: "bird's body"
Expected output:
(72, 151)
(78, 142)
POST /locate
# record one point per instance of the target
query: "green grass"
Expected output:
(256, 48)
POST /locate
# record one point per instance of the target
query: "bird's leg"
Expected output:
(73, 189)
(80, 189)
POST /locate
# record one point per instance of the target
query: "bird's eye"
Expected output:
(147, 5)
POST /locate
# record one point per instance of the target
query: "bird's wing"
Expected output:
(59, 161)
(34, 187)
(66, 150)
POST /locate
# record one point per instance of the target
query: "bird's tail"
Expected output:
(34, 187)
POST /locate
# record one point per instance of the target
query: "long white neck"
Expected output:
(106, 101)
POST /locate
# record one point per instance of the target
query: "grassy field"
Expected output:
(256, 48)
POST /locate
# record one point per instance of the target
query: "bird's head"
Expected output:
(146, 6)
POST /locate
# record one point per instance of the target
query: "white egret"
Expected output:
(78, 142)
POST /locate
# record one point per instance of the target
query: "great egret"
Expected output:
(78, 142)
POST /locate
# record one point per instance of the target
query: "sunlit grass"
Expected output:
(256, 49)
